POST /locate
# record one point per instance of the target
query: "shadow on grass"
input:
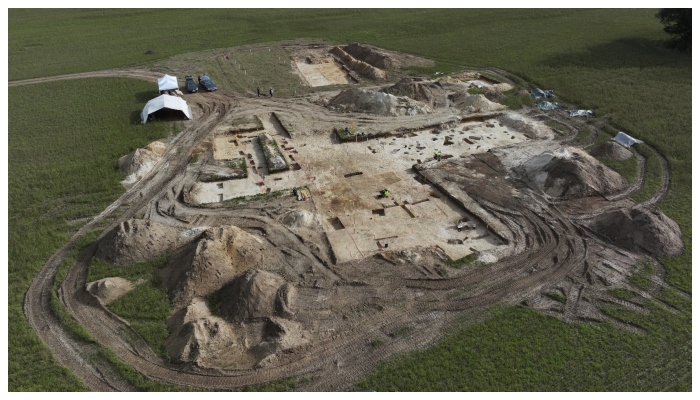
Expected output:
(622, 53)
(144, 97)
(135, 117)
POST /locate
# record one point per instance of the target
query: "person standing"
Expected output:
(258, 91)
(270, 92)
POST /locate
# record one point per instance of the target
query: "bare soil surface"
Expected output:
(303, 288)
(612, 150)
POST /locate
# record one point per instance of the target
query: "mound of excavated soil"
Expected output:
(297, 219)
(612, 150)
(201, 341)
(286, 333)
(257, 294)
(137, 164)
(109, 289)
(495, 96)
(450, 83)
(640, 230)
(208, 263)
(373, 102)
(501, 87)
(135, 241)
(197, 336)
(278, 334)
(474, 102)
(527, 126)
(371, 56)
(425, 91)
(360, 67)
(570, 173)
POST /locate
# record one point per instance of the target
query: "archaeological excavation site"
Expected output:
(320, 234)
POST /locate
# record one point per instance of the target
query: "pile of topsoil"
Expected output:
(135, 241)
(359, 66)
(425, 91)
(569, 173)
(373, 102)
(137, 164)
(208, 263)
(474, 102)
(371, 56)
(529, 127)
(257, 294)
(640, 229)
(611, 150)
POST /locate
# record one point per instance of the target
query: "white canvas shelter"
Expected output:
(167, 82)
(625, 139)
(165, 101)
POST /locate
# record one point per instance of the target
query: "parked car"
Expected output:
(207, 83)
(191, 84)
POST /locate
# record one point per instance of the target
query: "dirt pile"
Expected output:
(371, 56)
(612, 150)
(569, 173)
(450, 83)
(137, 164)
(640, 229)
(495, 96)
(373, 102)
(274, 159)
(278, 334)
(135, 241)
(205, 265)
(361, 67)
(198, 337)
(109, 289)
(297, 219)
(501, 87)
(257, 294)
(424, 91)
(529, 127)
(474, 102)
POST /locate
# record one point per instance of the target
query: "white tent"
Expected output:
(165, 101)
(167, 82)
(625, 139)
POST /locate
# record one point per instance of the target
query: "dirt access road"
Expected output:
(549, 250)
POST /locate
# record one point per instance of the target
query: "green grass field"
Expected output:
(522, 350)
(65, 138)
(64, 142)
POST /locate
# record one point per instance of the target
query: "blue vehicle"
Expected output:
(207, 83)
(190, 84)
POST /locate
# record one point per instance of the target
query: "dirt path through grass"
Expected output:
(557, 252)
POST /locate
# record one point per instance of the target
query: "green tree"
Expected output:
(679, 24)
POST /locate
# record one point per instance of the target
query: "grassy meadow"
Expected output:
(65, 138)
(64, 142)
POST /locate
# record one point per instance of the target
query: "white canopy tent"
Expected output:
(165, 101)
(167, 82)
(625, 139)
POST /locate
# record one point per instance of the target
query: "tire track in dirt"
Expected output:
(108, 73)
(37, 306)
(641, 173)
(555, 248)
